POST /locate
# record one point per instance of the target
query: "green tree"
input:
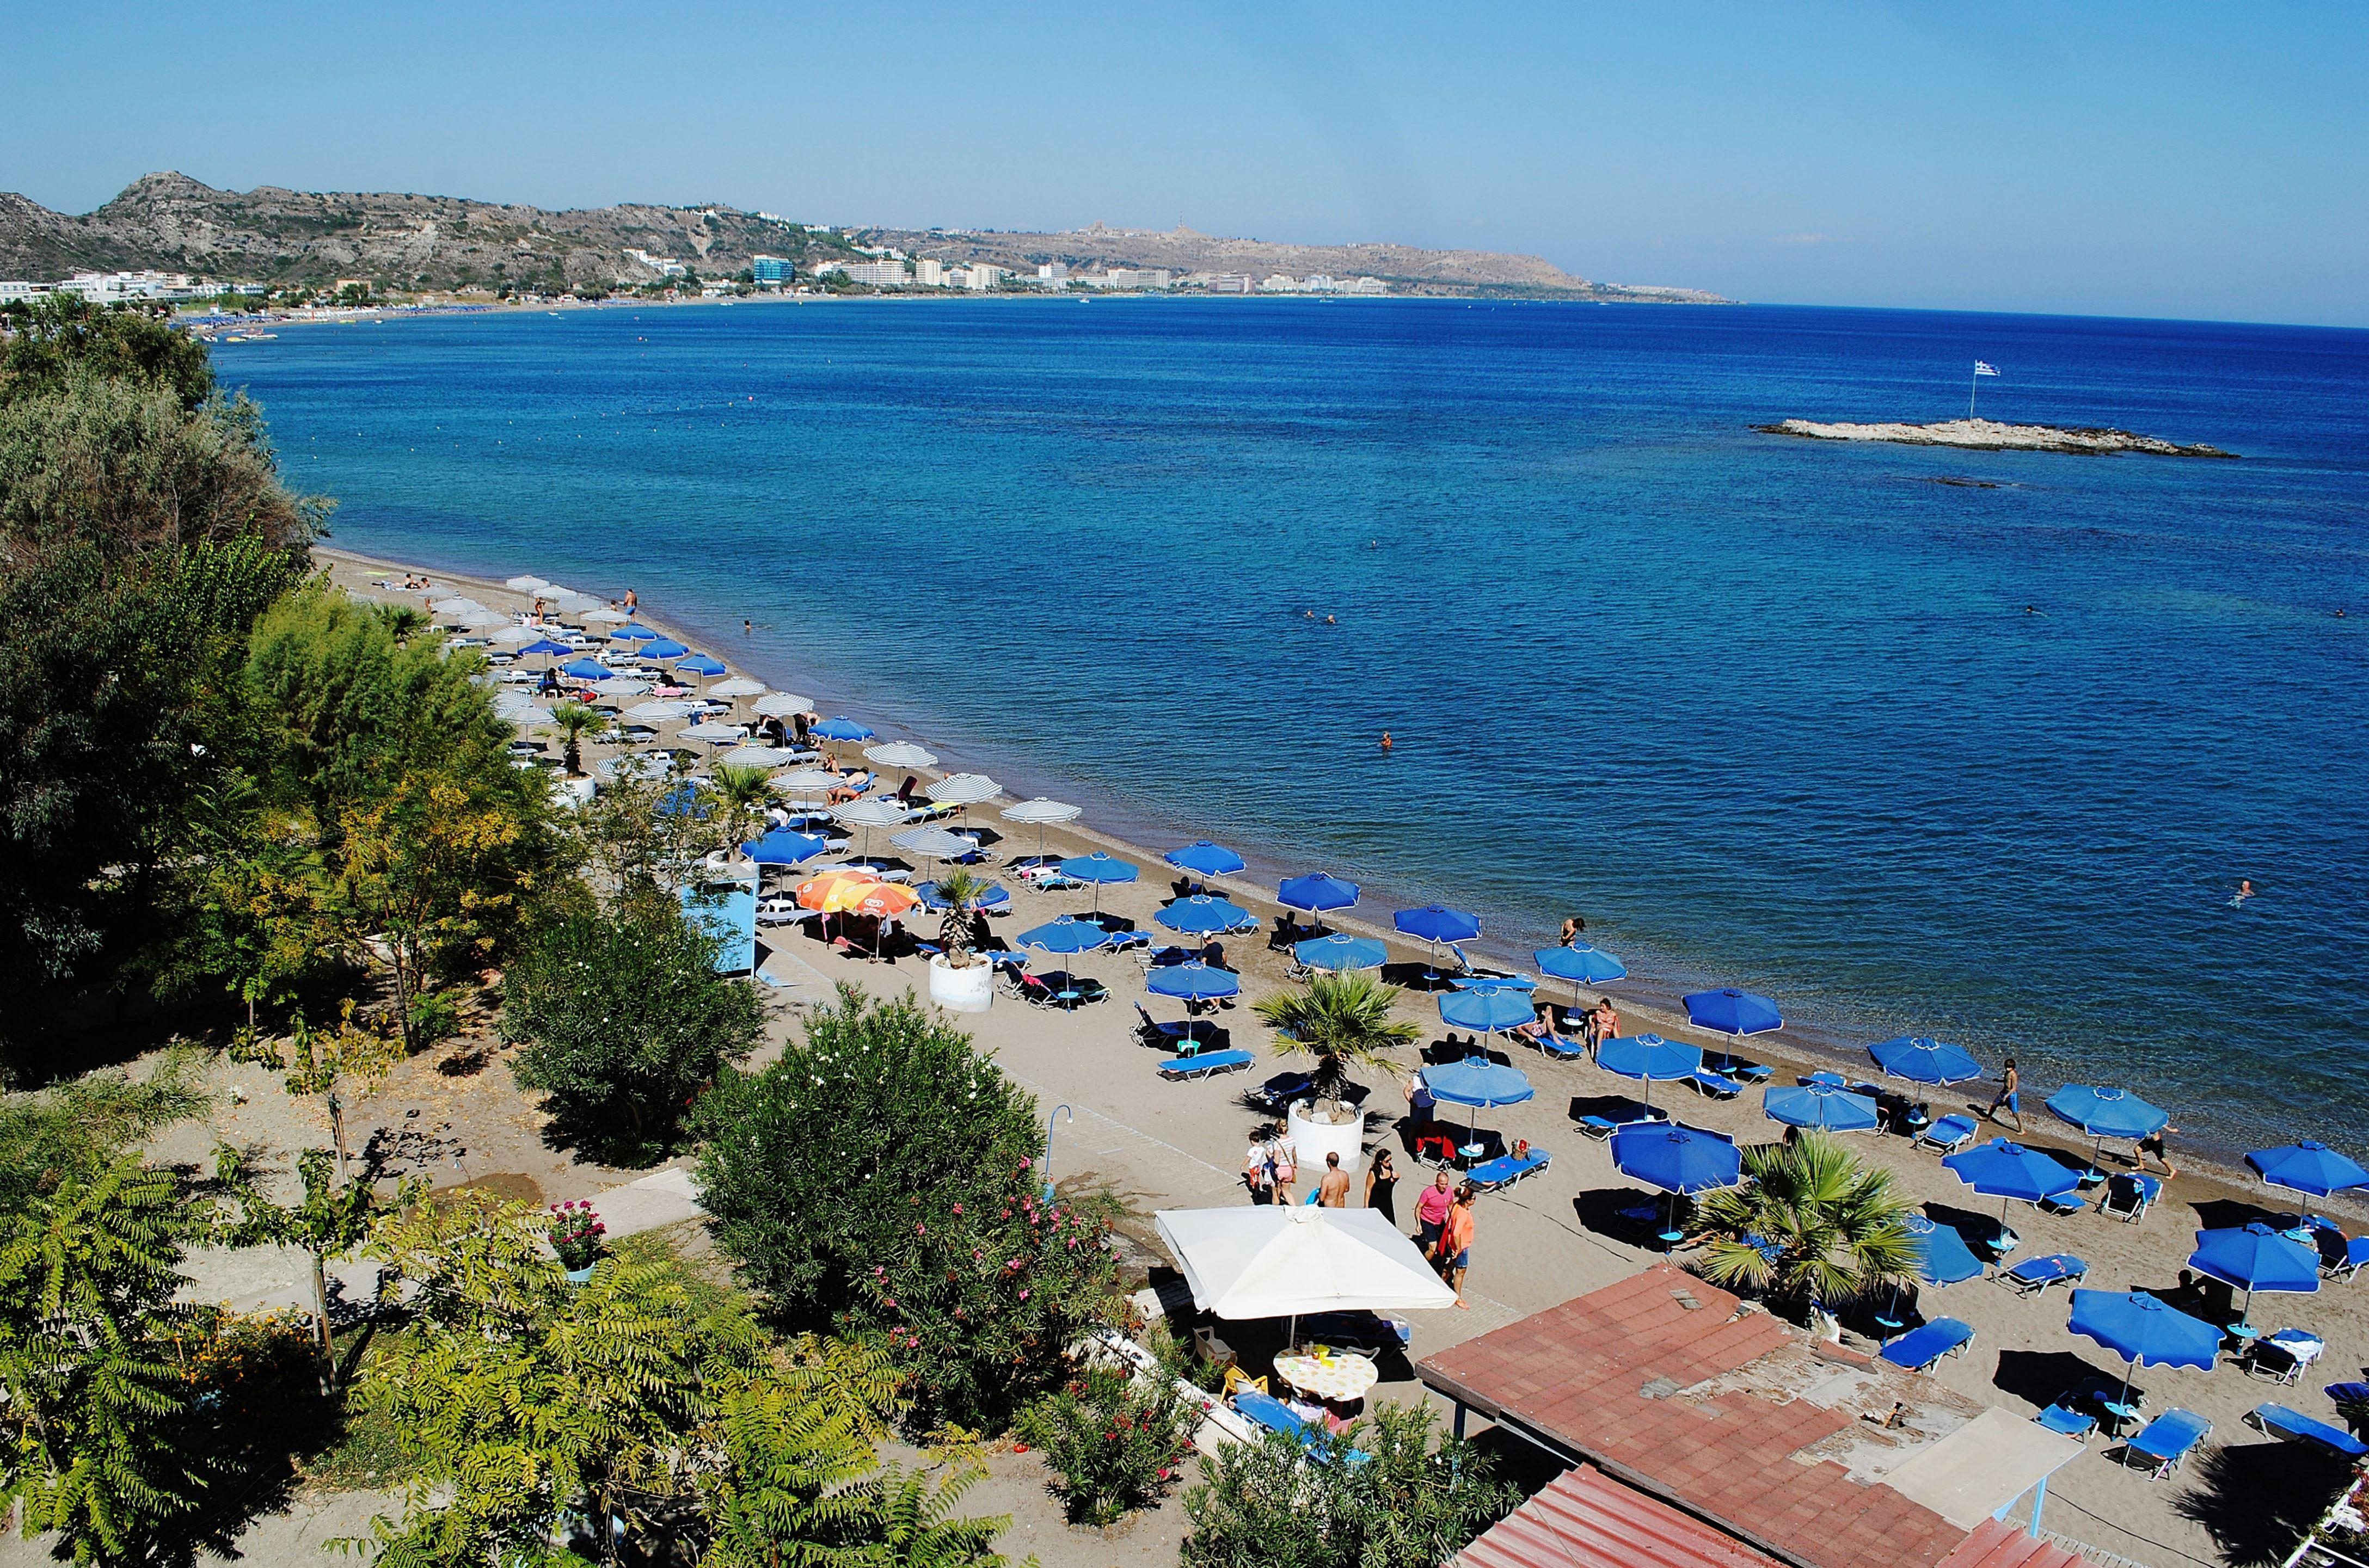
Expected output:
(744, 793)
(879, 1180)
(643, 836)
(1418, 1498)
(1837, 1224)
(51, 340)
(574, 721)
(331, 1217)
(1344, 1021)
(621, 1019)
(961, 891)
(1115, 1441)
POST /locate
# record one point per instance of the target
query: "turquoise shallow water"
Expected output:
(1769, 712)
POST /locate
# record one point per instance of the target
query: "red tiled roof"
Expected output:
(1997, 1545)
(1585, 1519)
(1592, 1376)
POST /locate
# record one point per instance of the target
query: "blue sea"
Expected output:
(1968, 744)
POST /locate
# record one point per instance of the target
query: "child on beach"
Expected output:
(2151, 1148)
(2008, 1095)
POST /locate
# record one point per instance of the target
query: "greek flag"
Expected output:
(1984, 367)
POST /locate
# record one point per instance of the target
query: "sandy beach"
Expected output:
(1545, 1240)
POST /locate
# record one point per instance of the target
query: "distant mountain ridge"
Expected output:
(175, 224)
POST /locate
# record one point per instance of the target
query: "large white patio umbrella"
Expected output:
(738, 686)
(879, 812)
(780, 704)
(529, 583)
(902, 754)
(1280, 1260)
(964, 789)
(1041, 811)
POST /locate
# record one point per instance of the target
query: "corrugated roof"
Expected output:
(1585, 1519)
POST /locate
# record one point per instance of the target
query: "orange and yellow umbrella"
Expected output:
(856, 893)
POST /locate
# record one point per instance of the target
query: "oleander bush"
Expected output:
(1114, 1442)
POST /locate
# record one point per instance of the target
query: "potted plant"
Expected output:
(960, 981)
(1344, 1021)
(576, 1235)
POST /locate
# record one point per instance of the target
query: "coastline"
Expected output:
(1129, 831)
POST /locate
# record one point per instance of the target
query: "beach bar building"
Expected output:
(1699, 1430)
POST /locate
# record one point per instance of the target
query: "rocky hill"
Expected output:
(173, 223)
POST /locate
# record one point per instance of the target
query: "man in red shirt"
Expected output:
(1431, 1213)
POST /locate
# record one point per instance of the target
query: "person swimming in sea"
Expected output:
(1330, 621)
(1387, 742)
(2244, 891)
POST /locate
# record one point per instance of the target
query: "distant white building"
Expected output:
(1366, 286)
(1279, 284)
(982, 276)
(879, 274)
(929, 273)
(17, 293)
(1053, 272)
(664, 265)
(1133, 278)
(1231, 283)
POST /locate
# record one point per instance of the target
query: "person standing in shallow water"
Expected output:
(2010, 1096)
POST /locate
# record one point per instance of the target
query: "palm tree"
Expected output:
(1823, 1226)
(744, 792)
(1342, 1020)
(572, 719)
(961, 891)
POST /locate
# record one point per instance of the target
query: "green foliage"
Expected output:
(1344, 1021)
(574, 721)
(634, 842)
(961, 891)
(744, 793)
(332, 1217)
(75, 1128)
(880, 1179)
(1418, 1500)
(623, 1019)
(1114, 1442)
(53, 339)
(1840, 1224)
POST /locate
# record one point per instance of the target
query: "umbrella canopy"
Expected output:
(997, 897)
(1479, 1082)
(1488, 1008)
(699, 664)
(841, 729)
(1437, 922)
(1040, 810)
(619, 686)
(1649, 1057)
(634, 631)
(964, 789)
(1580, 963)
(1316, 892)
(937, 844)
(525, 584)
(819, 892)
(754, 757)
(1819, 1105)
(2308, 1167)
(1098, 867)
(739, 686)
(1266, 1261)
(588, 669)
(453, 605)
(1676, 1158)
(607, 617)
(2255, 1257)
(658, 710)
(665, 647)
(1920, 1060)
(1065, 934)
(1194, 981)
(512, 636)
(902, 754)
(1731, 1012)
(848, 892)
(1494, 983)
(1942, 1256)
(2005, 1169)
(821, 780)
(2143, 1330)
(855, 813)
(1340, 951)
(1205, 858)
(543, 647)
(1201, 914)
(782, 847)
(2106, 1112)
(713, 733)
(779, 705)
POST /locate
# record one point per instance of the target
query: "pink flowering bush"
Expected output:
(577, 1234)
(1113, 1443)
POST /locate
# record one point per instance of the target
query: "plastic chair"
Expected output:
(1505, 1170)
(2166, 1441)
(1202, 1064)
(2285, 1356)
(2067, 1422)
(1712, 1084)
(2129, 1196)
(1949, 1134)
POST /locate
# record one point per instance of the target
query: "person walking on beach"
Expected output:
(633, 600)
(2010, 1086)
(2151, 1148)
(1332, 1191)
(1431, 1212)
(1456, 1241)
(1571, 927)
(1382, 1187)
(1258, 1170)
(1282, 1161)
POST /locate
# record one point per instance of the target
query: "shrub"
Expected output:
(879, 1180)
(577, 1234)
(1408, 1504)
(1115, 1443)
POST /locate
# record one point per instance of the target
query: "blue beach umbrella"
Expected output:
(698, 664)
(841, 729)
(997, 897)
(2011, 1172)
(1340, 951)
(588, 669)
(1679, 1159)
(546, 645)
(1494, 983)
(1205, 859)
(1066, 935)
(1942, 1256)
(1436, 923)
(1194, 981)
(1732, 1013)
(1479, 1083)
(2145, 1330)
(1581, 964)
(1920, 1060)
(1098, 868)
(1821, 1106)
(1649, 1058)
(783, 847)
(1202, 914)
(2308, 1167)
(1316, 893)
(2106, 1112)
(634, 631)
(665, 647)
(1487, 1009)
(2255, 1257)
(683, 800)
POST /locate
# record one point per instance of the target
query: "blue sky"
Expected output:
(2165, 159)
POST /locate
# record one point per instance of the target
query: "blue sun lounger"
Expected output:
(1560, 1048)
(1266, 1410)
(2066, 1421)
(2356, 1253)
(2278, 1421)
(1202, 1064)
(2163, 1442)
(1605, 1127)
(1706, 1082)
(2128, 1195)
(1920, 1348)
(1505, 1170)
(2034, 1274)
(1950, 1134)
(1735, 1067)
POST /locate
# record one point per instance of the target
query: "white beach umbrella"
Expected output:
(453, 605)
(515, 635)
(713, 733)
(1041, 811)
(936, 842)
(868, 813)
(482, 617)
(1280, 1262)
(529, 584)
(780, 704)
(900, 754)
(755, 757)
(739, 686)
(622, 686)
(657, 711)
(608, 617)
(569, 603)
(654, 765)
(964, 789)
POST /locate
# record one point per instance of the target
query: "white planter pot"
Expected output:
(1312, 1140)
(968, 990)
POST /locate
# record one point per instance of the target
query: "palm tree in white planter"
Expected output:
(957, 979)
(1344, 1021)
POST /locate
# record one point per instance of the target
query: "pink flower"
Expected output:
(1024, 1295)
(1026, 1161)
(920, 1230)
(958, 1208)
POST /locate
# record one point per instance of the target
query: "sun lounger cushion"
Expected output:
(2063, 1203)
(2066, 1421)
(1202, 1063)
(1559, 1048)
(2165, 1441)
(1505, 1170)
(2278, 1421)
(1949, 1133)
(2038, 1274)
(1920, 1348)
